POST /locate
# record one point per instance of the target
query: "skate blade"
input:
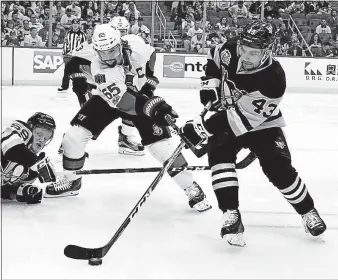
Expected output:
(72, 193)
(125, 151)
(235, 239)
(202, 207)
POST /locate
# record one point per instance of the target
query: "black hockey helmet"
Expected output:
(42, 120)
(258, 34)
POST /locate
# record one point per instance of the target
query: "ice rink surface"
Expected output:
(167, 239)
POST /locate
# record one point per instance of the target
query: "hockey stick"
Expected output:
(241, 165)
(82, 253)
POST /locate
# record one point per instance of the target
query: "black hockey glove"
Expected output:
(150, 86)
(29, 194)
(44, 168)
(156, 108)
(211, 91)
(195, 131)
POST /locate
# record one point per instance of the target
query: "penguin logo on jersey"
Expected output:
(226, 57)
(157, 130)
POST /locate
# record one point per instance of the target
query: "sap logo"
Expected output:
(46, 61)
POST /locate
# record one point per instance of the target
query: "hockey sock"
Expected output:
(225, 185)
(162, 150)
(298, 196)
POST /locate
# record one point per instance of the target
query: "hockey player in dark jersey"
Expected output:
(245, 85)
(22, 160)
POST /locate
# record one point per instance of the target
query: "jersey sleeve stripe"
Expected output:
(235, 123)
(244, 120)
(10, 143)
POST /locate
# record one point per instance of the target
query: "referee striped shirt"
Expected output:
(73, 40)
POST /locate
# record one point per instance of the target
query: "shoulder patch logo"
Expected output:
(226, 57)
(157, 130)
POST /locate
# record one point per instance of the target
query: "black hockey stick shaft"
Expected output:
(82, 253)
(240, 165)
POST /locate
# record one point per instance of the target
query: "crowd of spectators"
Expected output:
(315, 20)
(26, 23)
(303, 27)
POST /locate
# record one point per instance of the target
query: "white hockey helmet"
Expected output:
(107, 44)
(121, 24)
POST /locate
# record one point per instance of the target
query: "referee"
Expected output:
(74, 39)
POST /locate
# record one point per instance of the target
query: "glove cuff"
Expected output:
(210, 84)
(151, 104)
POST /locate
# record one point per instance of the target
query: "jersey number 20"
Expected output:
(260, 107)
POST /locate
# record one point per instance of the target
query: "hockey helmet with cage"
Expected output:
(121, 24)
(258, 35)
(107, 44)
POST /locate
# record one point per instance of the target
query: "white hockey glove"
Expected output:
(44, 168)
(195, 131)
(211, 91)
(29, 194)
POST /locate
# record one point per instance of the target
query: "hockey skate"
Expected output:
(233, 228)
(197, 198)
(127, 146)
(61, 89)
(313, 223)
(63, 187)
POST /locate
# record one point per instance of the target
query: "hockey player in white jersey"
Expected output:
(122, 62)
(127, 131)
(22, 159)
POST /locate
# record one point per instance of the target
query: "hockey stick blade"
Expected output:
(82, 253)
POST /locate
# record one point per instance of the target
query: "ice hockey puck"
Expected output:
(95, 261)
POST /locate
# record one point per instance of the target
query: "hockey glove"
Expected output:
(150, 86)
(157, 109)
(211, 91)
(29, 194)
(195, 131)
(44, 168)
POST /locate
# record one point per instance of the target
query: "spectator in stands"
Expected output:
(222, 5)
(198, 11)
(58, 11)
(197, 41)
(223, 24)
(15, 19)
(333, 19)
(132, 12)
(145, 34)
(3, 38)
(118, 10)
(43, 33)
(29, 12)
(66, 20)
(295, 49)
(89, 23)
(75, 9)
(269, 11)
(315, 41)
(255, 9)
(46, 13)
(88, 10)
(33, 40)
(327, 52)
(60, 31)
(25, 30)
(34, 23)
(189, 34)
(213, 39)
(56, 42)
(16, 11)
(284, 33)
(9, 27)
(323, 27)
(296, 8)
(335, 47)
(238, 10)
(13, 40)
